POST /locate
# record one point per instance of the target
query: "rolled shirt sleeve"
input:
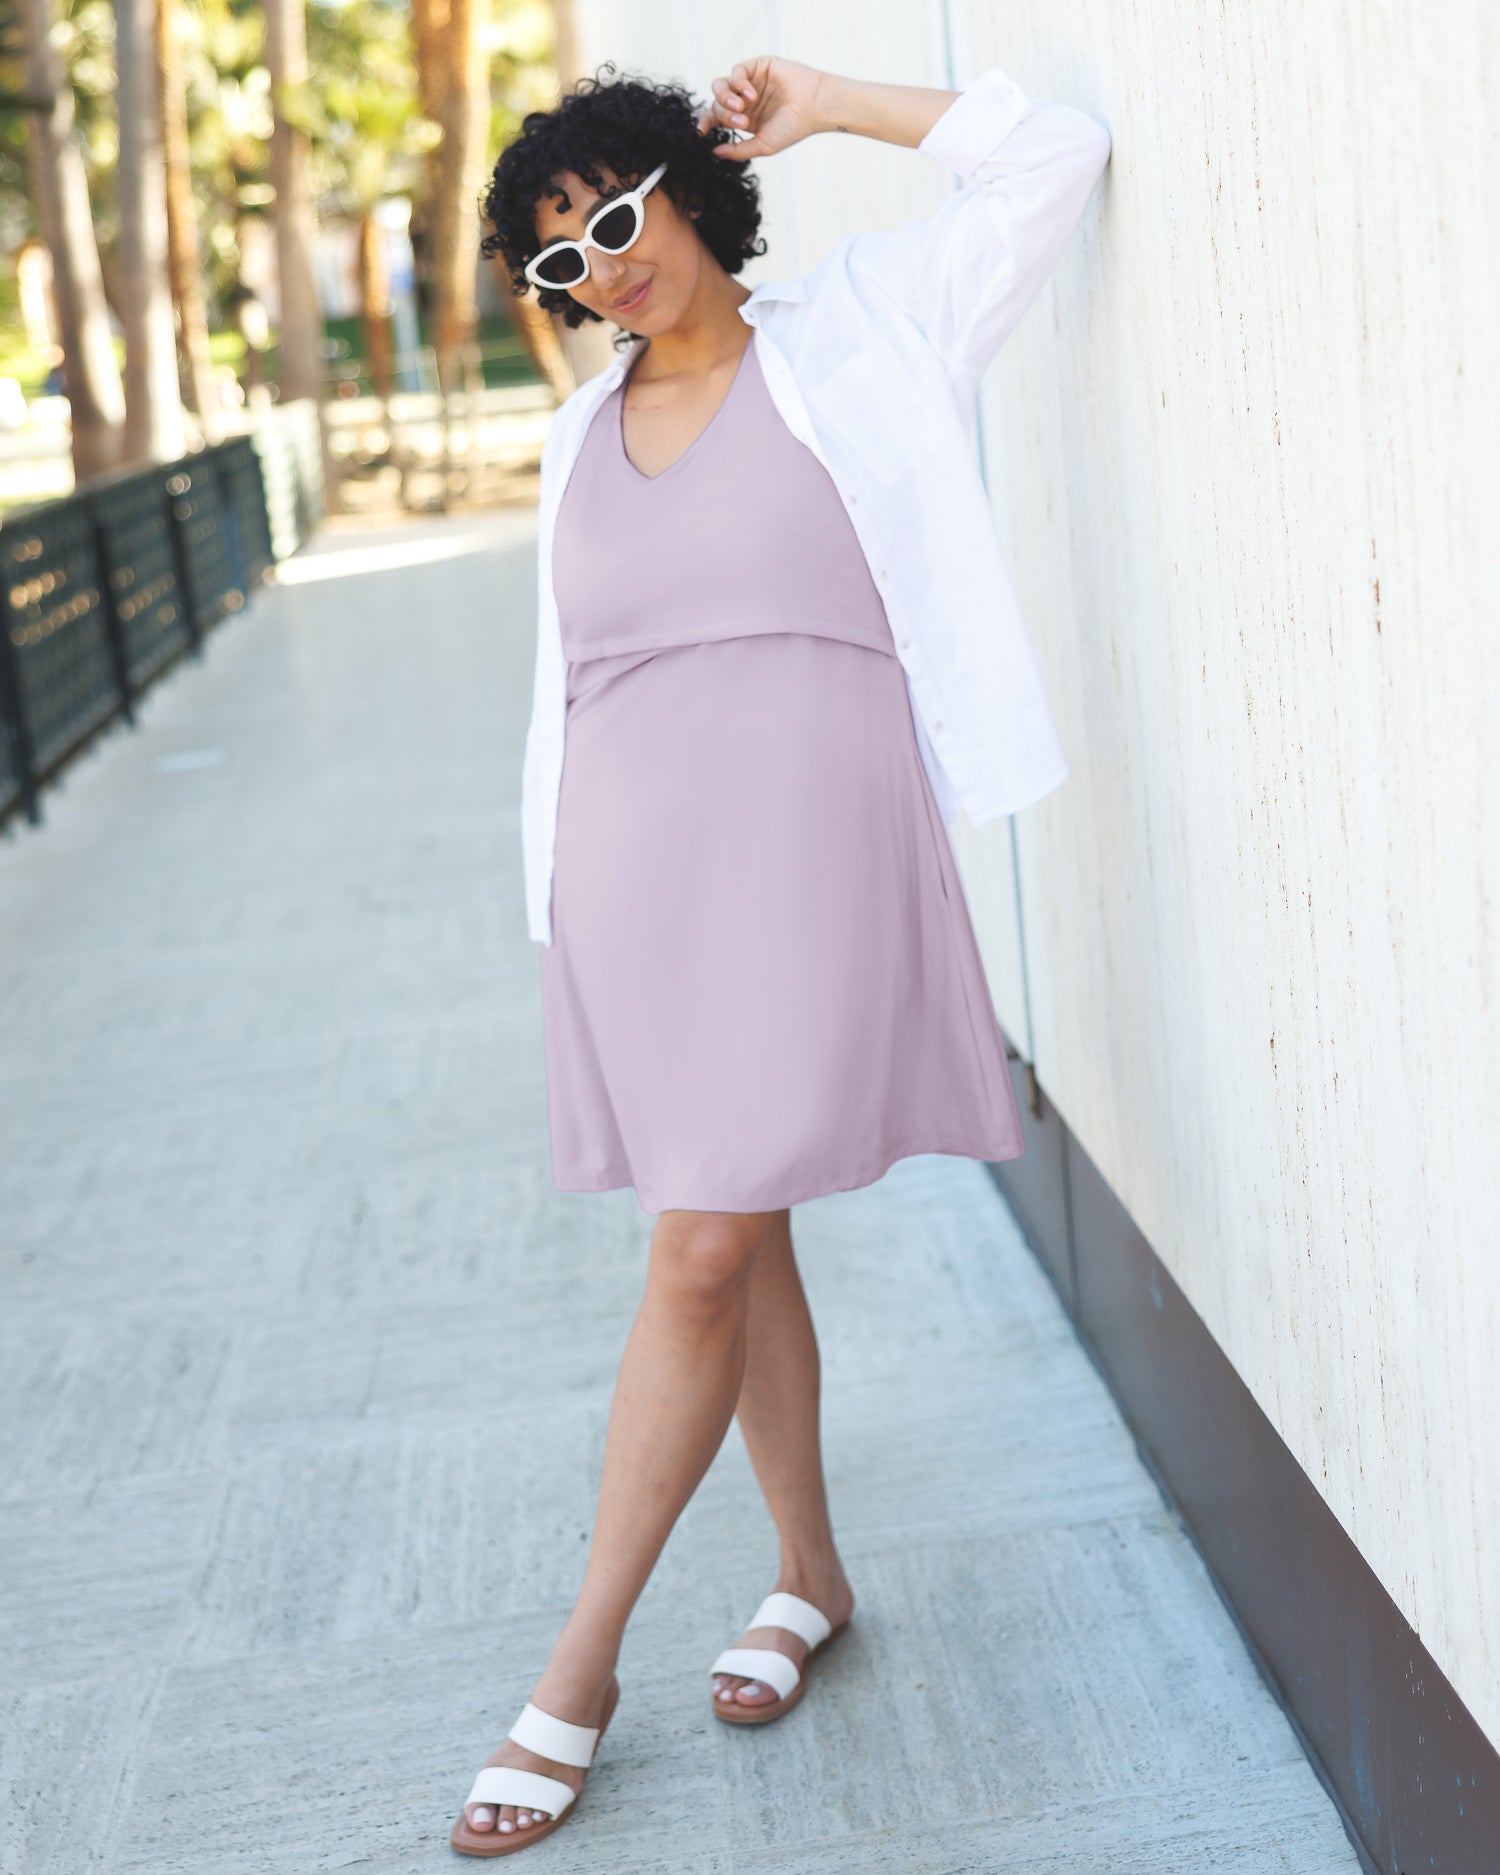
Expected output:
(966, 274)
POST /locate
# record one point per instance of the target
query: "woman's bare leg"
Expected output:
(679, 1378)
(778, 1414)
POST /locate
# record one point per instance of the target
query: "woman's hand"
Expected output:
(774, 100)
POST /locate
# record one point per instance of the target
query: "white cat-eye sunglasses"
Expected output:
(614, 226)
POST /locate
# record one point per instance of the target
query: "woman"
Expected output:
(777, 638)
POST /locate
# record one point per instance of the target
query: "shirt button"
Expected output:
(906, 644)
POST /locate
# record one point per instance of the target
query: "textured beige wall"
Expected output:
(1243, 456)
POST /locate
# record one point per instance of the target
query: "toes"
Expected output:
(507, 1823)
(481, 1817)
(735, 1691)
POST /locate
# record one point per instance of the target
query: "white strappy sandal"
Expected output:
(773, 1668)
(548, 1737)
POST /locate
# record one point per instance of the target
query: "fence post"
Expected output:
(217, 455)
(114, 628)
(13, 712)
(173, 477)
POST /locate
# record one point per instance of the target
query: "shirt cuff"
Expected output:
(983, 115)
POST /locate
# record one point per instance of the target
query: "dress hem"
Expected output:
(824, 1187)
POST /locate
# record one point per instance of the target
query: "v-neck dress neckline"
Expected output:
(739, 372)
(743, 533)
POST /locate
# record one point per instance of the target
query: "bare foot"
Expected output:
(565, 1696)
(832, 1595)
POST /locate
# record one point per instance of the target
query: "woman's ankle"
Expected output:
(583, 1662)
(813, 1573)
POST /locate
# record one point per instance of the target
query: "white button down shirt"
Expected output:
(874, 361)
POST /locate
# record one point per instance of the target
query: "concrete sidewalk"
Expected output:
(304, 1366)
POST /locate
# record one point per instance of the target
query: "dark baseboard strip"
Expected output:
(1416, 1780)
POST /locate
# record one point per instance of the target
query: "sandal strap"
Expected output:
(555, 1738)
(527, 1790)
(760, 1663)
(781, 1609)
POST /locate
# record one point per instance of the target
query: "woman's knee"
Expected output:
(702, 1260)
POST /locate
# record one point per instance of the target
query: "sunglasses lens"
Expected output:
(564, 268)
(616, 227)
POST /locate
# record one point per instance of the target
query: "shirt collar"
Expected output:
(771, 290)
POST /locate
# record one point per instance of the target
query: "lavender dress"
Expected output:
(763, 983)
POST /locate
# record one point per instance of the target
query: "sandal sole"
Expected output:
(470, 1842)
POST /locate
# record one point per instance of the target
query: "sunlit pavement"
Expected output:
(304, 1366)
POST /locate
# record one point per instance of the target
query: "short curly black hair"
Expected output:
(631, 123)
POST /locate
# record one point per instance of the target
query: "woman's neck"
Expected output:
(709, 332)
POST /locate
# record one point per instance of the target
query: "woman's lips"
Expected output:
(634, 298)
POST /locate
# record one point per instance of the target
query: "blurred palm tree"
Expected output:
(56, 131)
(526, 40)
(456, 54)
(153, 400)
(184, 255)
(373, 111)
(301, 332)
(227, 95)
(370, 137)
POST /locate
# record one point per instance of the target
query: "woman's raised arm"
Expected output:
(777, 102)
(965, 274)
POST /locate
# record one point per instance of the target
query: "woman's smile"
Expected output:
(634, 299)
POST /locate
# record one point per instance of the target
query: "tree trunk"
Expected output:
(182, 226)
(429, 19)
(153, 403)
(458, 179)
(586, 349)
(565, 59)
(61, 192)
(375, 302)
(301, 332)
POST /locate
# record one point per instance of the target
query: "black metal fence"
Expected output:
(101, 592)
